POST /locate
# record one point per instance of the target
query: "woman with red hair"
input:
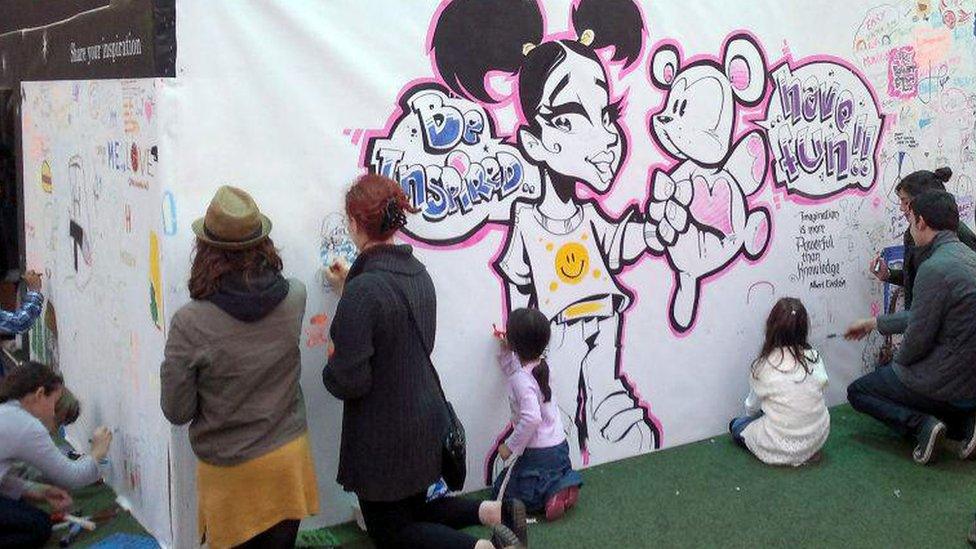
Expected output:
(394, 416)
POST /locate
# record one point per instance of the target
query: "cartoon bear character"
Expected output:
(714, 173)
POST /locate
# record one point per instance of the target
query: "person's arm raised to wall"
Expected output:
(21, 320)
(348, 373)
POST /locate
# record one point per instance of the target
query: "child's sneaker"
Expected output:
(560, 502)
(929, 437)
(514, 519)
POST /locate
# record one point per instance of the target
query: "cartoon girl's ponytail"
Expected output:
(474, 37)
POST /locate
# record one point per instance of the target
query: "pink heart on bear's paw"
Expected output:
(712, 207)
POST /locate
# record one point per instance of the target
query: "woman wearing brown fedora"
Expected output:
(231, 370)
(394, 415)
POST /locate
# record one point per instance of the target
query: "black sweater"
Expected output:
(393, 416)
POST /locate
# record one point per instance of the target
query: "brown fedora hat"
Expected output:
(233, 221)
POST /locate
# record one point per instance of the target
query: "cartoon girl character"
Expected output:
(563, 253)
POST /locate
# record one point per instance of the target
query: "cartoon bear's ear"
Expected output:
(665, 65)
(745, 68)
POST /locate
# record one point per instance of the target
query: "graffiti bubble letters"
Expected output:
(902, 73)
(824, 125)
(444, 152)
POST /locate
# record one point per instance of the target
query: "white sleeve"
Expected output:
(753, 404)
(37, 448)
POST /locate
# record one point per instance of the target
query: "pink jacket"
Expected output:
(536, 423)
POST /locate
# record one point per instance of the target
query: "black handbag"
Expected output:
(454, 464)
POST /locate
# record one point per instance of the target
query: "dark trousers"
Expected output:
(279, 536)
(22, 525)
(884, 397)
(414, 523)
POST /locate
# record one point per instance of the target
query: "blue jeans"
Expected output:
(884, 397)
(739, 424)
(539, 473)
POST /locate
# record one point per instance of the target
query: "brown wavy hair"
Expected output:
(210, 263)
(786, 327)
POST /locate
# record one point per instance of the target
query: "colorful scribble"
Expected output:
(155, 282)
(902, 73)
(316, 334)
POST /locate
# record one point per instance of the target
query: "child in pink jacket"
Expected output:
(541, 474)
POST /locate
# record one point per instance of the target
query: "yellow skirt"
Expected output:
(239, 502)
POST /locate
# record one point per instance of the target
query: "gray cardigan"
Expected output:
(393, 418)
(937, 357)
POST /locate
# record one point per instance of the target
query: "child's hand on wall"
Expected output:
(500, 336)
(504, 451)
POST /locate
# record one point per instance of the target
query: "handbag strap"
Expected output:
(416, 328)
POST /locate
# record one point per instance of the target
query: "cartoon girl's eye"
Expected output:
(563, 123)
(606, 119)
(684, 105)
(674, 108)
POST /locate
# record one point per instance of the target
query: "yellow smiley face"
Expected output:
(572, 262)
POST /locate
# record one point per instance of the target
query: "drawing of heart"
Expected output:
(712, 205)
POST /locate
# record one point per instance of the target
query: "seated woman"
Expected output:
(28, 397)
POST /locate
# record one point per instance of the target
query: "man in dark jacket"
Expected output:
(907, 189)
(929, 391)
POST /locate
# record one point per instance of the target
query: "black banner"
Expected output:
(86, 39)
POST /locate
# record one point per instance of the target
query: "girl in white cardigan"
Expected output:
(787, 421)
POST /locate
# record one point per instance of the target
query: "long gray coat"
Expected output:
(938, 354)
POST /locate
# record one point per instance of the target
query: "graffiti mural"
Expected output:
(725, 124)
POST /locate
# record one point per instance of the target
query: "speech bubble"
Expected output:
(824, 126)
(444, 152)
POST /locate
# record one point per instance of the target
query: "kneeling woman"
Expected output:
(29, 396)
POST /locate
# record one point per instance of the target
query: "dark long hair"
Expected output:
(787, 326)
(528, 336)
(24, 379)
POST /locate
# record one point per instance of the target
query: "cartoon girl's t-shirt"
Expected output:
(568, 263)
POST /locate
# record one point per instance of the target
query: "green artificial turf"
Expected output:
(866, 492)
